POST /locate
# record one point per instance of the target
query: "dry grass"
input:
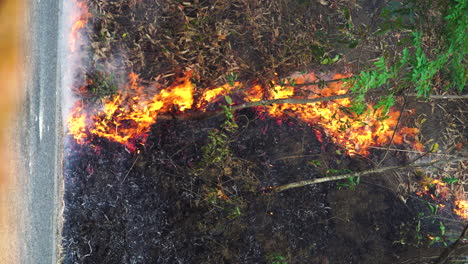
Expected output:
(162, 39)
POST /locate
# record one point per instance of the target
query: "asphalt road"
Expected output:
(40, 136)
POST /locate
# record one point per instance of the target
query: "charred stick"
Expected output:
(361, 173)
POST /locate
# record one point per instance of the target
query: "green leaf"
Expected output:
(442, 228)
(449, 180)
(315, 163)
(335, 59)
(228, 99)
(434, 147)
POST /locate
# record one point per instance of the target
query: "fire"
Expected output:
(440, 193)
(340, 126)
(212, 94)
(81, 20)
(77, 124)
(129, 115)
(461, 208)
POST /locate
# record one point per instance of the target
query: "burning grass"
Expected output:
(126, 118)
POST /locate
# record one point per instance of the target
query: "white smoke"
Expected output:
(70, 62)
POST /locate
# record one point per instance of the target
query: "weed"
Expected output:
(449, 180)
(416, 69)
(218, 149)
(276, 258)
(232, 78)
(234, 212)
(329, 60)
(349, 183)
(99, 86)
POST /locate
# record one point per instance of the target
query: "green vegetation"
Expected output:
(218, 148)
(276, 258)
(416, 68)
(100, 85)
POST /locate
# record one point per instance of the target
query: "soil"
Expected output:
(166, 202)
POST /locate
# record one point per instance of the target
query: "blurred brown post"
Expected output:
(10, 93)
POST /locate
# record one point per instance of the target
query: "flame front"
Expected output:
(130, 114)
(440, 193)
(343, 128)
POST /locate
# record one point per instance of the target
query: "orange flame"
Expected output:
(440, 193)
(77, 124)
(461, 208)
(80, 22)
(344, 130)
(128, 115)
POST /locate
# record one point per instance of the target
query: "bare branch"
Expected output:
(360, 174)
(204, 115)
(464, 96)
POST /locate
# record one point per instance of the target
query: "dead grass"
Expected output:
(162, 39)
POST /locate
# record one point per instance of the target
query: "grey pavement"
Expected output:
(40, 137)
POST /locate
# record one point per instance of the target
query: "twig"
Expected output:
(360, 174)
(290, 101)
(412, 151)
(394, 132)
(128, 172)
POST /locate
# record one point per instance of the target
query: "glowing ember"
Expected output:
(129, 115)
(79, 22)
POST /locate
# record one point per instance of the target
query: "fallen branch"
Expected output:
(320, 82)
(360, 174)
(465, 96)
(290, 101)
(411, 151)
(204, 115)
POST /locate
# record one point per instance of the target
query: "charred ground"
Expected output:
(161, 206)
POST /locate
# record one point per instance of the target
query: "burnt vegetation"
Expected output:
(202, 191)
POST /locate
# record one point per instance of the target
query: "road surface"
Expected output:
(40, 137)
